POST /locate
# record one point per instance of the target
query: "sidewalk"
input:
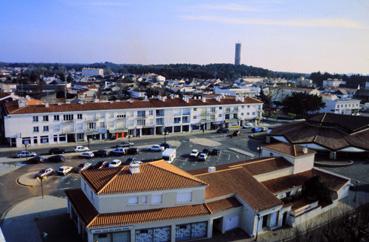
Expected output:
(19, 222)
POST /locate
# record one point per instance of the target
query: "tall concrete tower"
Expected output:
(237, 54)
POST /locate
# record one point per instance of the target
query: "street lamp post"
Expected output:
(42, 186)
(259, 151)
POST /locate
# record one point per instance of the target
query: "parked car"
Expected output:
(205, 151)
(25, 154)
(194, 153)
(202, 156)
(132, 151)
(214, 152)
(248, 125)
(222, 131)
(156, 148)
(101, 164)
(64, 170)
(44, 173)
(125, 144)
(56, 151)
(169, 155)
(257, 129)
(87, 154)
(56, 158)
(81, 148)
(118, 151)
(101, 153)
(114, 163)
(165, 145)
(83, 166)
(36, 159)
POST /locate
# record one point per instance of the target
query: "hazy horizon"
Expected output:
(280, 35)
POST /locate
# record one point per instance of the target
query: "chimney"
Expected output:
(134, 168)
(46, 105)
(212, 169)
(203, 99)
(304, 150)
(218, 98)
(186, 99)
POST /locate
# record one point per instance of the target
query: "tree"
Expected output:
(302, 104)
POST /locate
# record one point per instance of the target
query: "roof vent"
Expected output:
(212, 169)
(186, 99)
(59, 104)
(305, 150)
(134, 168)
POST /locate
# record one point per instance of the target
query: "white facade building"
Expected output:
(333, 104)
(87, 72)
(61, 123)
(333, 82)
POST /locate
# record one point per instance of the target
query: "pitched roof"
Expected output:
(283, 183)
(238, 181)
(153, 176)
(92, 219)
(332, 131)
(223, 204)
(151, 103)
(292, 150)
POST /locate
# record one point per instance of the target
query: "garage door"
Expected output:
(231, 222)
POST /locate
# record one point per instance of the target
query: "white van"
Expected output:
(169, 155)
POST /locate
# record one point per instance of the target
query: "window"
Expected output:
(56, 117)
(194, 117)
(141, 114)
(220, 108)
(253, 113)
(133, 200)
(235, 115)
(160, 112)
(67, 117)
(185, 119)
(45, 118)
(186, 111)
(102, 124)
(219, 115)
(141, 122)
(160, 121)
(151, 112)
(46, 128)
(156, 198)
(212, 109)
(144, 199)
(55, 138)
(44, 139)
(248, 106)
(35, 129)
(177, 120)
(79, 116)
(62, 138)
(184, 197)
(195, 109)
(91, 125)
(26, 140)
(35, 140)
(35, 118)
(121, 116)
(227, 116)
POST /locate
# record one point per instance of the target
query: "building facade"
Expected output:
(157, 201)
(61, 123)
(88, 72)
(347, 106)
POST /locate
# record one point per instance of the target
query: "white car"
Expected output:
(63, 170)
(45, 172)
(87, 154)
(202, 156)
(194, 153)
(114, 163)
(81, 148)
(25, 153)
(248, 125)
(156, 148)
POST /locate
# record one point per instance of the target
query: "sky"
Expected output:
(281, 35)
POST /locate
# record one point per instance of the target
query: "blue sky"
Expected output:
(285, 35)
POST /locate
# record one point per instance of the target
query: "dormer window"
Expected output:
(184, 197)
(156, 198)
(133, 200)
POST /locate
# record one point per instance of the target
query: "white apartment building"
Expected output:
(333, 104)
(62, 123)
(333, 82)
(87, 72)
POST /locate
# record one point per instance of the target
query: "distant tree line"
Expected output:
(352, 81)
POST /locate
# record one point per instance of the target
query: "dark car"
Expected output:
(132, 151)
(101, 164)
(214, 152)
(205, 151)
(56, 151)
(56, 158)
(222, 130)
(165, 145)
(35, 160)
(100, 153)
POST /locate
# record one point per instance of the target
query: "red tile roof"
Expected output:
(151, 103)
(153, 176)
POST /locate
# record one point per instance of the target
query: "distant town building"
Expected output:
(87, 72)
(333, 82)
(237, 55)
(334, 104)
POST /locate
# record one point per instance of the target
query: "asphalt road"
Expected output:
(11, 192)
